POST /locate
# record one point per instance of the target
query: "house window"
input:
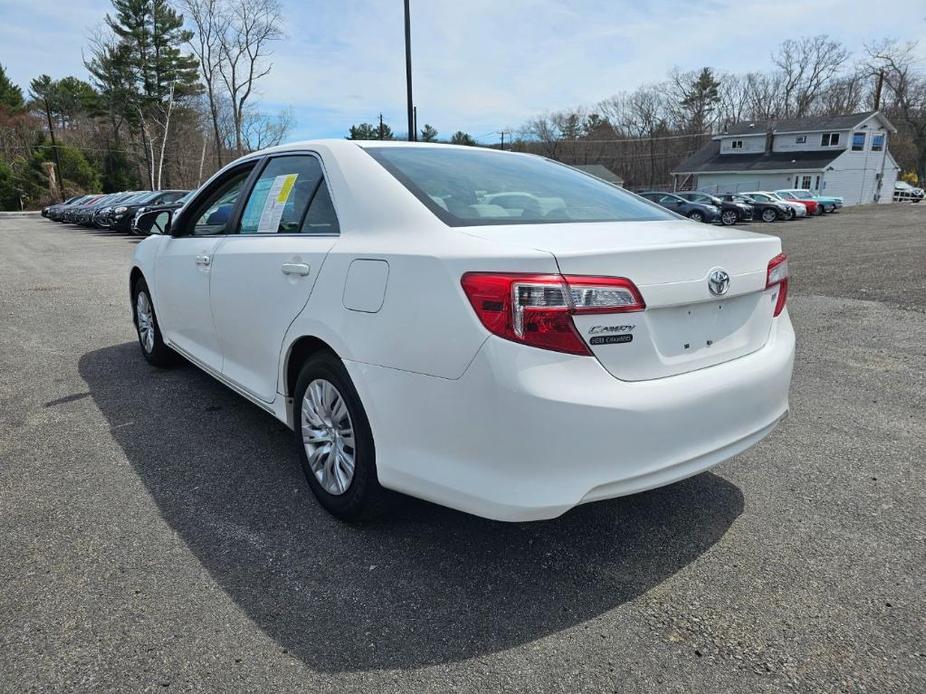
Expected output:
(816, 185)
(736, 144)
(877, 142)
(805, 182)
(800, 140)
(829, 140)
(858, 142)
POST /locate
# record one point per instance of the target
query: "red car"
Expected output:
(813, 207)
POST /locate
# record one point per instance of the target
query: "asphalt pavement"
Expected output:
(156, 532)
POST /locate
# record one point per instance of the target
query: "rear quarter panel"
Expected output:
(425, 324)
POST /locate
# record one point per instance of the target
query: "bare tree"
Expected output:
(164, 124)
(211, 21)
(905, 100)
(733, 106)
(252, 26)
(544, 130)
(807, 65)
(844, 94)
(260, 130)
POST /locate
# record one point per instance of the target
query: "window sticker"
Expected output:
(276, 200)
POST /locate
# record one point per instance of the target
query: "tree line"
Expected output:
(642, 135)
(170, 99)
(382, 131)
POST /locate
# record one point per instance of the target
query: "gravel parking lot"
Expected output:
(156, 531)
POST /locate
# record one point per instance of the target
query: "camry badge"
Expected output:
(718, 282)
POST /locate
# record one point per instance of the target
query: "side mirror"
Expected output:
(154, 222)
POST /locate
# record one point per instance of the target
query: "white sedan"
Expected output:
(491, 331)
(796, 208)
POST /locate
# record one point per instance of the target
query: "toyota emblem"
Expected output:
(718, 282)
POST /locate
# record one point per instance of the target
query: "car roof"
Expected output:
(339, 144)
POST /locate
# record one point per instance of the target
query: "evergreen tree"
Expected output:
(74, 98)
(368, 131)
(150, 36)
(462, 138)
(11, 96)
(143, 73)
(701, 99)
(44, 98)
(428, 134)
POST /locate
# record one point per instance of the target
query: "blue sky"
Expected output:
(479, 65)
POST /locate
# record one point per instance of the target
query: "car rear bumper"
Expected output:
(527, 434)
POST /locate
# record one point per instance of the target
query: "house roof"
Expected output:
(600, 171)
(708, 159)
(806, 124)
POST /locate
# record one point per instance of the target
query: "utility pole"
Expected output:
(408, 74)
(380, 126)
(54, 146)
(415, 121)
(878, 87)
(502, 133)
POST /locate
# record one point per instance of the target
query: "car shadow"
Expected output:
(422, 585)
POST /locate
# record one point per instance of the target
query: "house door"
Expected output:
(803, 182)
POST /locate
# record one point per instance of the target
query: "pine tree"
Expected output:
(144, 72)
(150, 36)
(368, 131)
(44, 98)
(428, 133)
(701, 98)
(11, 96)
(462, 138)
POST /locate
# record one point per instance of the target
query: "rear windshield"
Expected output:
(473, 187)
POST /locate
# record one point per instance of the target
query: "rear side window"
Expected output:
(473, 187)
(289, 197)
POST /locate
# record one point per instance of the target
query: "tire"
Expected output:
(819, 211)
(728, 217)
(348, 494)
(769, 215)
(150, 339)
(791, 214)
(696, 216)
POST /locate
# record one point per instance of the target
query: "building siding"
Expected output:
(751, 144)
(788, 142)
(859, 177)
(717, 184)
(864, 177)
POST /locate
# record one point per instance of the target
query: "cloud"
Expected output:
(479, 65)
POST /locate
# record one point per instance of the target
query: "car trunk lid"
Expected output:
(685, 326)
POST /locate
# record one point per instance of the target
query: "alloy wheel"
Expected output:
(144, 320)
(728, 217)
(328, 436)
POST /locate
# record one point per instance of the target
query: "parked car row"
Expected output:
(115, 211)
(731, 208)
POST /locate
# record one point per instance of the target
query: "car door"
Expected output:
(184, 268)
(263, 273)
(673, 203)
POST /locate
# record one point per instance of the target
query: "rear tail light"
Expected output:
(537, 310)
(778, 275)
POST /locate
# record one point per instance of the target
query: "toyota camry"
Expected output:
(495, 332)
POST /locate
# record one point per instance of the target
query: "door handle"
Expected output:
(295, 269)
(203, 260)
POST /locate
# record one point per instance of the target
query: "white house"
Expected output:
(830, 155)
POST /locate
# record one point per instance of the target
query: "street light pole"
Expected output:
(408, 74)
